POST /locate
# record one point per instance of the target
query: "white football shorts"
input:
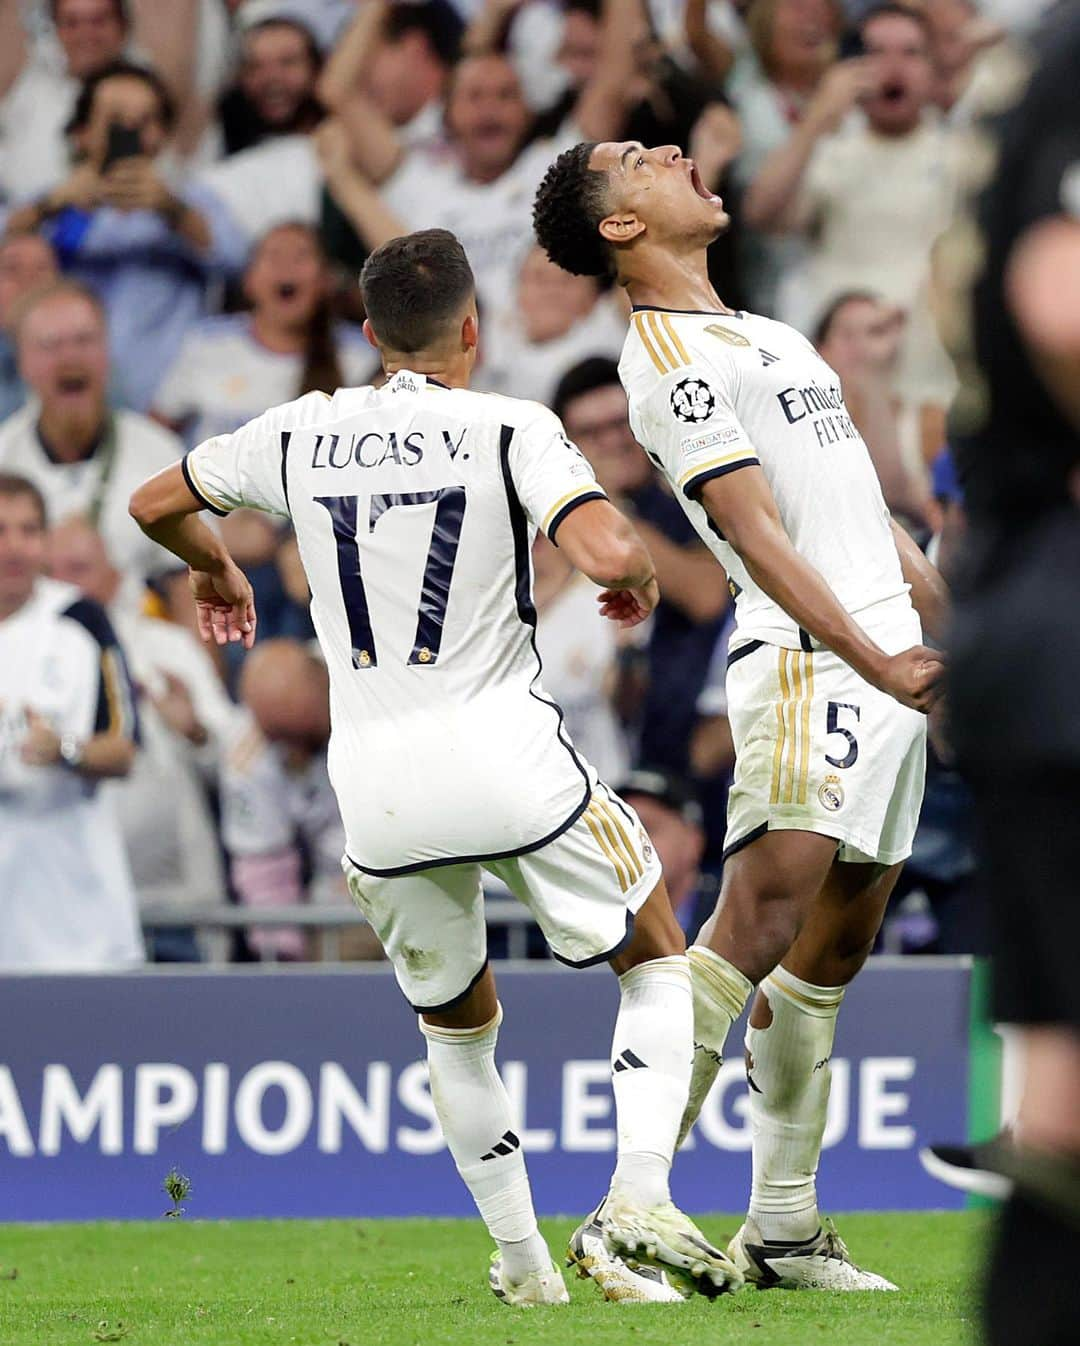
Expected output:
(583, 889)
(817, 749)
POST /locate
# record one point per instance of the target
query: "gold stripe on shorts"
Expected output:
(637, 869)
(804, 770)
(781, 728)
(605, 846)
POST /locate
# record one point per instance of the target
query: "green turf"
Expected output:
(395, 1283)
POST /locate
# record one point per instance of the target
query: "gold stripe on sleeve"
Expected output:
(639, 323)
(583, 489)
(661, 342)
(746, 454)
(673, 337)
(207, 495)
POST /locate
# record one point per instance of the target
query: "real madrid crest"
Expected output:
(831, 794)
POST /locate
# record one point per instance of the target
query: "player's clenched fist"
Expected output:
(915, 677)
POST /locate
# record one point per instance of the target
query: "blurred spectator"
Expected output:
(84, 458)
(960, 41)
(671, 814)
(39, 88)
(486, 198)
(870, 193)
(579, 653)
(591, 402)
(280, 821)
(67, 722)
(399, 55)
(231, 368)
(26, 263)
(274, 94)
(326, 19)
(558, 320)
(792, 45)
(185, 720)
(118, 225)
(859, 336)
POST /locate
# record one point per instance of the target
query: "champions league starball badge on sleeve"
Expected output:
(692, 400)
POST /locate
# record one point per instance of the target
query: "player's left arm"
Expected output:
(167, 510)
(929, 592)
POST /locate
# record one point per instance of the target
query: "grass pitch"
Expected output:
(422, 1282)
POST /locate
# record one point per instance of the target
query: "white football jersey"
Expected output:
(414, 507)
(710, 393)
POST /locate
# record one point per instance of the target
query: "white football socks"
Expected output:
(650, 1062)
(789, 1077)
(720, 992)
(474, 1109)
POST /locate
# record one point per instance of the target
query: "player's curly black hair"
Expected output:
(570, 203)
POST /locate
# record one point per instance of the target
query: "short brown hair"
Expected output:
(414, 287)
(12, 486)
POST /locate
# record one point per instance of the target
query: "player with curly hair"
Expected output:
(828, 681)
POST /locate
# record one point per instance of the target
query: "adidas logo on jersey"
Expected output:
(767, 358)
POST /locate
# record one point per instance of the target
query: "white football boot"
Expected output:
(663, 1236)
(539, 1287)
(620, 1281)
(822, 1263)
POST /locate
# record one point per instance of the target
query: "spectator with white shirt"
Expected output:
(118, 224)
(274, 93)
(870, 189)
(485, 197)
(186, 719)
(232, 367)
(85, 458)
(558, 321)
(27, 262)
(67, 723)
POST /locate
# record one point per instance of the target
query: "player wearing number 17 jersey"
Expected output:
(827, 676)
(415, 506)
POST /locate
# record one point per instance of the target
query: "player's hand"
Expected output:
(629, 607)
(840, 89)
(133, 184)
(914, 677)
(714, 142)
(224, 606)
(41, 746)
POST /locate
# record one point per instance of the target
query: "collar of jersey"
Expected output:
(703, 312)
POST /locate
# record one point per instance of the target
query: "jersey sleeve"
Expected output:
(550, 475)
(690, 425)
(247, 468)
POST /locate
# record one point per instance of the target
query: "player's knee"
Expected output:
(769, 917)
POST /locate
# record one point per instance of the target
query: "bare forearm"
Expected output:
(770, 200)
(488, 29)
(189, 224)
(374, 145)
(796, 586)
(106, 756)
(713, 55)
(929, 592)
(186, 536)
(602, 105)
(348, 64)
(366, 210)
(689, 577)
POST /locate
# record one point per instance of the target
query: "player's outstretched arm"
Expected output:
(604, 546)
(167, 511)
(929, 592)
(742, 507)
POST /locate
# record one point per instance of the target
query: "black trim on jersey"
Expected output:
(451, 1004)
(526, 609)
(93, 618)
(600, 957)
(614, 799)
(569, 508)
(437, 383)
(750, 836)
(286, 435)
(703, 312)
(214, 509)
(694, 485)
(805, 643)
(743, 651)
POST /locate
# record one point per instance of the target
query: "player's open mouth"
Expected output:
(700, 188)
(287, 289)
(73, 384)
(893, 93)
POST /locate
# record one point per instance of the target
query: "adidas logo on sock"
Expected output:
(507, 1145)
(628, 1061)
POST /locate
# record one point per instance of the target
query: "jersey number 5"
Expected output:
(449, 502)
(832, 726)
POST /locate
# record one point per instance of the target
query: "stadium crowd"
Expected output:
(187, 193)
